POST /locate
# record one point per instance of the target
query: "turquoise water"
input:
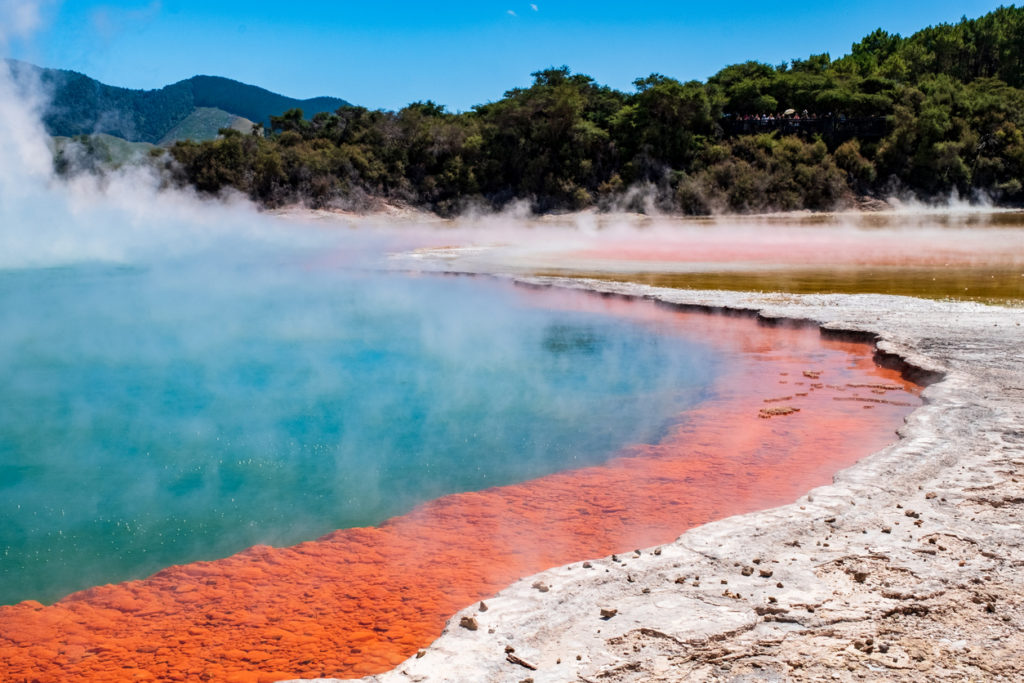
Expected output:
(160, 414)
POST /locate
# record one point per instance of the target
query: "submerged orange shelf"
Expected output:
(360, 601)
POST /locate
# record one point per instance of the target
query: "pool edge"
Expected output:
(964, 352)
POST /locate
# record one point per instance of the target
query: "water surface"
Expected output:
(361, 600)
(164, 413)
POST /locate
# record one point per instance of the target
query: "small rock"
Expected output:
(860, 577)
(779, 585)
(886, 529)
(766, 573)
(657, 551)
(521, 662)
(587, 565)
(747, 571)
(421, 654)
(778, 411)
(483, 606)
(469, 623)
(930, 495)
(830, 520)
(509, 648)
(608, 613)
(541, 586)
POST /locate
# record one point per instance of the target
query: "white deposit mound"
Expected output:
(907, 567)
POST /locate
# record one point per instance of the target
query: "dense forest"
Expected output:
(933, 114)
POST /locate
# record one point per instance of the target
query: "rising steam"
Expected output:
(124, 215)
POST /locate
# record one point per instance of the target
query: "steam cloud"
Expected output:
(128, 216)
(124, 215)
(115, 344)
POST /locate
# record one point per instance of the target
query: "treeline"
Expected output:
(950, 94)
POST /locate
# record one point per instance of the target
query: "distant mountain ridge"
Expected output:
(80, 105)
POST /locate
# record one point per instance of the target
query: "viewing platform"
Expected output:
(832, 129)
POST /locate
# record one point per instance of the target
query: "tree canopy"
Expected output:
(938, 112)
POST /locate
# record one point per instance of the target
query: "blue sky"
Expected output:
(385, 54)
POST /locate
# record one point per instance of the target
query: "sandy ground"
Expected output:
(908, 567)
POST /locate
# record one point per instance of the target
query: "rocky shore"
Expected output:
(907, 567)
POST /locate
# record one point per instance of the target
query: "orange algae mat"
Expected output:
(360, 601)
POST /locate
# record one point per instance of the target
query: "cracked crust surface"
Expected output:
(909, 567)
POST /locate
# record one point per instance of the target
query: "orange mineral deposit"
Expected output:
(359, 601)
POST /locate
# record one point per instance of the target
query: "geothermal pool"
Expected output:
(161, 415)
(974, 255)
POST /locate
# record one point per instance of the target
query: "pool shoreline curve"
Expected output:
(903, 567)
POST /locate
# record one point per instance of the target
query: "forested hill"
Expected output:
(81, 105)
(933, 114)
(937, 113)
(252, 102)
